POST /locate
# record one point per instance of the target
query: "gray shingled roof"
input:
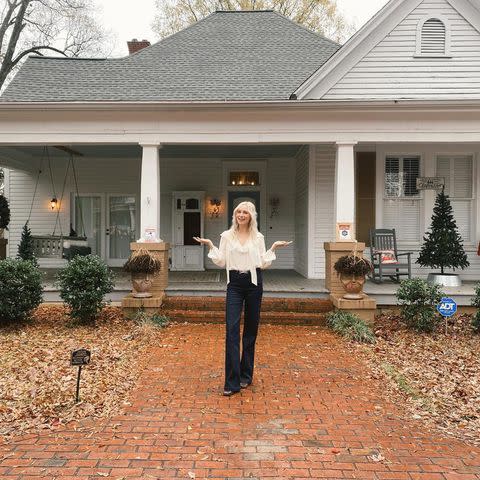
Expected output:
(227, 56)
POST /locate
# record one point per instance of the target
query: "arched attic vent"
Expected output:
(433, 37)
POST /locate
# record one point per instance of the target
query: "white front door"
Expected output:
(187, 216)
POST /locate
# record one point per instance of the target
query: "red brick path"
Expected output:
(309, 414)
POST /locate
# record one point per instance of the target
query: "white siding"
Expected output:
(390, 69)
(280, 175)
(301, 212)
(324, 228)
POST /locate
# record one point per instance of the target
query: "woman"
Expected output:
(242, 252)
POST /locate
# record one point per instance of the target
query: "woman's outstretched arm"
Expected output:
(217, 255)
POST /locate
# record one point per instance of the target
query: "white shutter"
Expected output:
(458, 174)
(433, 37)
(404, 217)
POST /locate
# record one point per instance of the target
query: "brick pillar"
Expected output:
(150, 305)
(333, 251)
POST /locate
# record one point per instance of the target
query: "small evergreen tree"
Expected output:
(25, 249)
(4, 212)
(443, 245)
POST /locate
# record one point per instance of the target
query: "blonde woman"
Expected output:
(242, 252)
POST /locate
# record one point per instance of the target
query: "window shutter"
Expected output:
(404, 217)
(411, 171)
(433, 37)
(458, 174)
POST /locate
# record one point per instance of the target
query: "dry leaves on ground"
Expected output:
(436, 375)
(37, 383)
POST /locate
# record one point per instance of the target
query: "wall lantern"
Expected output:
(274, 204)
(53, 203)
(215, 204)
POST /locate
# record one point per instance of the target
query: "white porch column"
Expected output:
(150, 190)
(345, 184)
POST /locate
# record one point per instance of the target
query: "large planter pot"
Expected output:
(353, 286)
(446, 279)
(142, 282)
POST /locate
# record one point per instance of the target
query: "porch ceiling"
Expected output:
(19, 153)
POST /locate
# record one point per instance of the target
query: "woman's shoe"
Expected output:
(229, 393)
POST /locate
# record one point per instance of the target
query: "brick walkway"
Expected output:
(309, 415)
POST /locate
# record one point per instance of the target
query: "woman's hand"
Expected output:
(204, 241)
(279, 244)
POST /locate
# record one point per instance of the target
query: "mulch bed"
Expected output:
(37, 383)
(436, 376)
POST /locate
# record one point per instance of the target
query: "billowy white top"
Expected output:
(247, 257)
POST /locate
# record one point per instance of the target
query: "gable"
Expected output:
(395, 68)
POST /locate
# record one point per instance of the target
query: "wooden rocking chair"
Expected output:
(386, 260)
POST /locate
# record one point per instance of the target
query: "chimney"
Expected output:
(137, 45)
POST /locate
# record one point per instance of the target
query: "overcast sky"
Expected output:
(127, 20)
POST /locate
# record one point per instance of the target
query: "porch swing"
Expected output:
(59, 246)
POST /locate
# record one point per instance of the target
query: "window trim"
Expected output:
(418, 48)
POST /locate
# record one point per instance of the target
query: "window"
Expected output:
(244, 178)
(401, 176)
(433, 39)
(458, 173)
(401, 204)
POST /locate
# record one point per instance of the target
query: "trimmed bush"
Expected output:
(20, 289)
(418, 300)
(476, 303)
(83, 284)
(350, 326)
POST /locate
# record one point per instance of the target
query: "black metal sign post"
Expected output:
(79, 358)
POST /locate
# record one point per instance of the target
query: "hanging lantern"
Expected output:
(53, 203)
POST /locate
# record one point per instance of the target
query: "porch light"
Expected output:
(215, 204)
(53, 203)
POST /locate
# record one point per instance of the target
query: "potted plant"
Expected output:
(443, 245)
(352, 270)
(4, 214)
(143, 266)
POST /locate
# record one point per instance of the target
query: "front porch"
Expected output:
(277, 284)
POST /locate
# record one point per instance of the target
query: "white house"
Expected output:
(251, 105)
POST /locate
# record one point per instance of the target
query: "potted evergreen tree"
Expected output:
(443, 245)
(143, 266)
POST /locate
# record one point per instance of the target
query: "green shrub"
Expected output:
(83, 284)
(157, 319)
(476, 303)
(418, 300)
(350, 326)
(20, 289)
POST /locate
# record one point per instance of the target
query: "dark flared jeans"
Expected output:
(241, 293)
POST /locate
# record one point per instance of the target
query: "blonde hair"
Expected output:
(252, 226)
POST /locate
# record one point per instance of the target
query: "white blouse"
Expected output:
(247, 257)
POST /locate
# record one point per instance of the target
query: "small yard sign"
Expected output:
(78, 359)
(447, 307)
(430, 183)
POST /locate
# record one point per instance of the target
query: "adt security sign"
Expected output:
(447, 307)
